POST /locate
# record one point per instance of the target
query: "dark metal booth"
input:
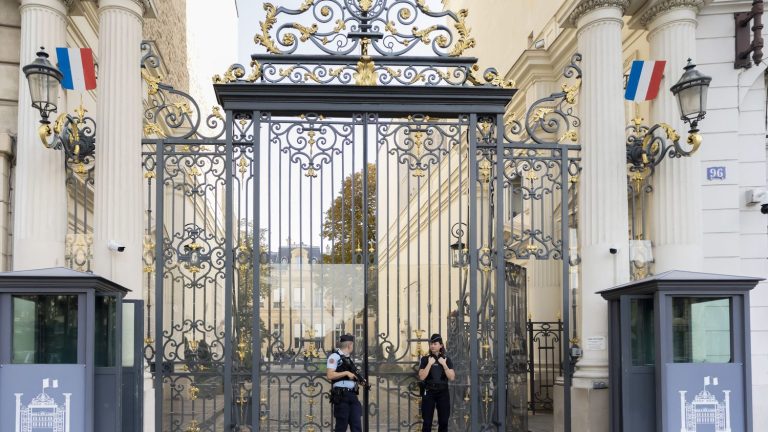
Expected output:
(61, 354)
(695, 326)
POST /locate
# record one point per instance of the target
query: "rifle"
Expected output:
(361, 381)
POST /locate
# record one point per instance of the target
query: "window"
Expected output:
(642, 333)
(298, 298)
(701, 330)
(44, 329)
(318, 297)
(277, 297)
(106, 331)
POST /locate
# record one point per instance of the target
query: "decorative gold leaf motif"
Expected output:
(366, 72)
(405, 13)
(465, 41)
(424, 34)
(264, 39)
(393, 72)
(340, 25)
(306, 5)
(153, 129)
(255, 72)
(306, 32)
(571, 135)
(286, 72)
(365, 5)
(231, 75)
(216, 112)
(491, 77)
(151, 81)
(325, 11)
(390, 27)
(571, 92)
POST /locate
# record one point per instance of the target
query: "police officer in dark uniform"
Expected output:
(342, 372)
(435, 370)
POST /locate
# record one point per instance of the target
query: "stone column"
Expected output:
(603, 220)
(119, 193)
(40, 200)
(676, 227)
(119, 197)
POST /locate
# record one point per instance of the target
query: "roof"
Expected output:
(65, 277)
(683, 280)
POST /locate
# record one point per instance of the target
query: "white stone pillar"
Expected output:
(676, 225)
(603, 220)
(40, 200)
(119, 194)
(119, 197)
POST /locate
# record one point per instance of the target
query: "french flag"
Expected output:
(644, 80)
(76, 64)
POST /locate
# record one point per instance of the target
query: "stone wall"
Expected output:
(169, 32)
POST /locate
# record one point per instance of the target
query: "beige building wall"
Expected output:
(504, 28)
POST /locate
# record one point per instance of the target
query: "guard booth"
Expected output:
(680, 353)
(62, 363)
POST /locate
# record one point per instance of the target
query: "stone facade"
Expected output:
(169, 31)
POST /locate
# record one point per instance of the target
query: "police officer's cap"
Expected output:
(347, 338)
(435, 338)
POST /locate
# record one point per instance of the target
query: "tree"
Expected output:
(343, 225)
(243, 298)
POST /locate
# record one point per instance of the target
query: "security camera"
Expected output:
(613, 250)
(116, 246)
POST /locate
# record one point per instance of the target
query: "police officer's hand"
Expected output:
(430, 361)
(350, 375)
(442, 361)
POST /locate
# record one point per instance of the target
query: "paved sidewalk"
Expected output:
(540, 423)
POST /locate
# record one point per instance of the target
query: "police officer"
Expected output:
(435, 370)
(341, 371)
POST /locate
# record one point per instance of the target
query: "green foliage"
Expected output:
(343, 225)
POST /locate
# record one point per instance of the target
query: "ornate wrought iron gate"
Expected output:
(308, 207)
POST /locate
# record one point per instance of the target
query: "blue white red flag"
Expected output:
(76, 64)
(644, 80)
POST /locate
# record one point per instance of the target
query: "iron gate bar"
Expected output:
(159, 356)
(256, 262)
(501, 339)
(474, 409)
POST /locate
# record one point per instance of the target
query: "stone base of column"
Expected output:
(149, 403)
(28, 254)
(680, 256)
(590, 407)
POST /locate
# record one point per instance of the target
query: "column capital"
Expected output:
(59, 6)
(138, 7)
(662, 7)
(586, 6)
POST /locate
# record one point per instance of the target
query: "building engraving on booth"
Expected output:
(43, 412)
(706, 409)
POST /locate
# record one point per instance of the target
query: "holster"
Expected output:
(335, 396)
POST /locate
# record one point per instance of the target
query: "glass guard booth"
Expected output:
(61, 359)
(680, 353)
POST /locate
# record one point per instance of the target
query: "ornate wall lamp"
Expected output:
(648, 145)
(74, 134)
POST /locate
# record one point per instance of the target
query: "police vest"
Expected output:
(345, 365)
(434, 380)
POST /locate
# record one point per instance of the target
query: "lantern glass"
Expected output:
(459, 255)
(691, 92)
(44, 80)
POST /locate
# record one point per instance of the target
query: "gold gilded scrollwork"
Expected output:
(255, 72)
(232, 74)
(264, 39)
(465, 41)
